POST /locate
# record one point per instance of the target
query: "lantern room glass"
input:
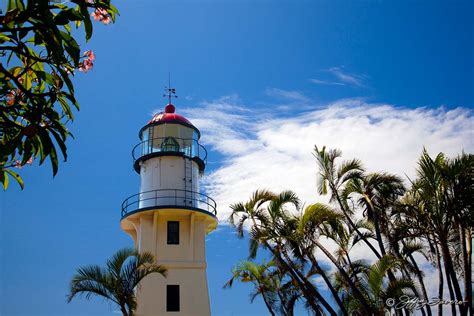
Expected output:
(157, 138)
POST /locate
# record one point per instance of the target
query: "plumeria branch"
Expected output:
(36, 94)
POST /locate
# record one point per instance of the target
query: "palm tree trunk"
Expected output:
(284, 305)
(449, 268)
(451, 292)
(354, 287)
(353, 226)
(378, 235)
(420, 280)
(468, 289)
(422, 284)
(124, 310)
(308, 285)
(441, 281)
(466, 268)
(329, 285)
(309, 293)
(269, 306)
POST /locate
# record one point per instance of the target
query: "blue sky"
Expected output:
(264, 81)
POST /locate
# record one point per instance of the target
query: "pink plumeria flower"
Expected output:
(100, 14)
(29, 161)
(86, 65)
(89, 55)
(18, 164)
(106, 19)
(95, 15)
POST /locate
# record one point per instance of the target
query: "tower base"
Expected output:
(181, 250)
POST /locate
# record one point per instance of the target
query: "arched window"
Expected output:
(169, 144)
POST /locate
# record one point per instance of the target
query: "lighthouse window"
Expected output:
(173, 233)
(169, 144)
(172, 298)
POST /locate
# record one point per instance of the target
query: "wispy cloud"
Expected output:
(287, 95)
(340, 77)
(326, 82)
(346, 77)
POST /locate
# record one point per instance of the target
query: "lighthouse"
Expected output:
(170, 216)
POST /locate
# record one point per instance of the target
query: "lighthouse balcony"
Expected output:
(166, 146)
(168, 199)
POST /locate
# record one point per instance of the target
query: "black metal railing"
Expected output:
(187, 146)
(168, 198)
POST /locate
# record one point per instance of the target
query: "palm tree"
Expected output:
(321, 220)
(376, 193)
(118, 280)
(372, 282)
(433, 218)
(267, 283)
(270, 223)
(333, 179)
(443, 191)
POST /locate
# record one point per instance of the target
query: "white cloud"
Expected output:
(264, 150)
(346, 77)
(341, 78)
(326, 82)
(286, 95)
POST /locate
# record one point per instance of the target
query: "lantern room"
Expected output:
(169, 133)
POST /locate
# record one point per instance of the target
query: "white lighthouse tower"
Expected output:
(170, 217)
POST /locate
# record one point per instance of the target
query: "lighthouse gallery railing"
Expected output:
(168, 198)
(187, 146)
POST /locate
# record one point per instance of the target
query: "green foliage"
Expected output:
(278, 293)
(117, 281)
(39, 57)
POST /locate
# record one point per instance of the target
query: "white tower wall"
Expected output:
(168, 175)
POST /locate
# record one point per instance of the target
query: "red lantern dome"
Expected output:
(169, 116)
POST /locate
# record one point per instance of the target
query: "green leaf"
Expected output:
(20, 5)
(60, 142)
(4, 179)
(66, 16)
(11, 5)
(65, 106)
(67, 80)
(28, 82)
(72, 99)
(16, 177)
(71, 46)
(27, 153)
(49, 150)
(53, 157)
(4, 38)
(113, 8)
(44, 147)
(87, 22)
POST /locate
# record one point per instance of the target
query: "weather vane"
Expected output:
(170, 92)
